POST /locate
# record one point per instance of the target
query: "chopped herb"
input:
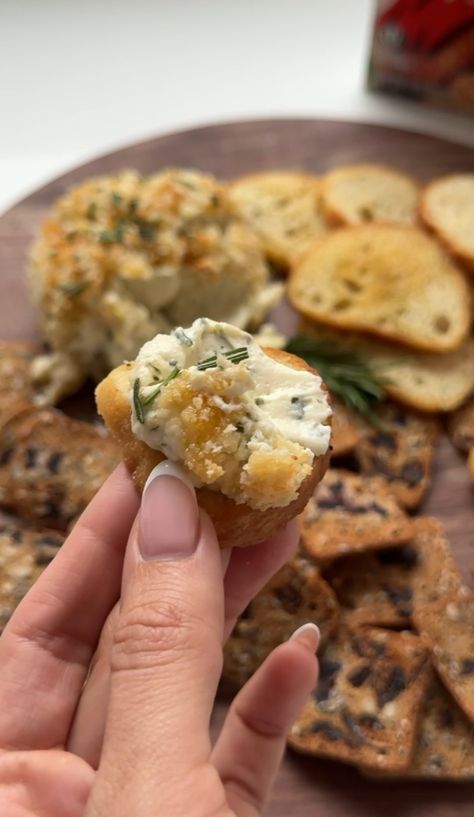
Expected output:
(145, 228)
(132, 206)
(73, 290)
(259, 401)
(345, 373)
(91, 211)
(298, 405)
(239, 427)
(181, 335)
(234, 355)
(113, 236)
(137, 403)
(116, 199)
(169, 377)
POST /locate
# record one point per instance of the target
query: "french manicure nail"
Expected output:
(169, 515)
(308, 634)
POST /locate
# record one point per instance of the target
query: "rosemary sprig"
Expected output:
(345, 373)
(137, 403)
(234, 355)
(160, 385)
(73, 290)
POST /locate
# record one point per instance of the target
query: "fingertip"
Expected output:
(308, 635)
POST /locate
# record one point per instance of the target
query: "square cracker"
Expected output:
(350, 513)
(52, 465)
(366, 705)
(447, 627)
(24, 554)
(295, 595)
(15, 376)
(444, 748)
(382, 587)
(461, 426)
(401, 451)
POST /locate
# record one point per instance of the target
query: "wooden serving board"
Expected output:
(305, 787)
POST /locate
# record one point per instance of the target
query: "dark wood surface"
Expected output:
(305, 787)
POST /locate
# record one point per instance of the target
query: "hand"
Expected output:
(106, 703)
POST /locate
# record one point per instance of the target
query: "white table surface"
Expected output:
(82, 77)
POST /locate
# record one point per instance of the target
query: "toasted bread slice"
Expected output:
(423, 380)
(461, 426)
(390, 281)
(359, 194)
(447, 207)
(346, 430)
(283, 208)
(237, 525)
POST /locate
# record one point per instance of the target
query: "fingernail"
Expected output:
(169, 515)
(308, 635)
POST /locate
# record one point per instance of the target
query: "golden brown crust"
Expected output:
(434, 223)
(236, 525)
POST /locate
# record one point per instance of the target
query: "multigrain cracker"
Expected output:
(448, 627)
(294, 596)
(15, 376)
(365, 707)
(350, 513)
(392, 282)
(24, 553)
(346, 429)
(52, 465)
(401, 450)
(444, 748)
(382, 587)
(461, 426)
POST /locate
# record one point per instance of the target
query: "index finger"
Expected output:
(47, 646)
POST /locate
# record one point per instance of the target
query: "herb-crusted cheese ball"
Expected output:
(123, 257)
(250, 426)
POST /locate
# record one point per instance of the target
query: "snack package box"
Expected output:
(424, 50)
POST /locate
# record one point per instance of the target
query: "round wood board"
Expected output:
(305, 787)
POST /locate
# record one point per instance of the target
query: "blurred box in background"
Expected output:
(424, 50)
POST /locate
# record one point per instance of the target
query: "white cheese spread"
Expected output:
(238, 420)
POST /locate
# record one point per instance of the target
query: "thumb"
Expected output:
(167, 651)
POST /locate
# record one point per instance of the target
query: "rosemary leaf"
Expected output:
(234, 355)
(73, 290)
(137, 403)
(169, 377)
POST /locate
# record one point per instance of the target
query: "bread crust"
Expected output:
(237, 525)
(432, 220)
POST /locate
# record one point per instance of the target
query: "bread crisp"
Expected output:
(359, 194)
(237, 525)
(283, 208)
(461, 426)
(447, 207)
(394, 282)
(424, 381)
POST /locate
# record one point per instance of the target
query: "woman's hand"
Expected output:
(106, 703)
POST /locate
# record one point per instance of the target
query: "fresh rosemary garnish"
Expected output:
(137, 403)
(162, 383)
(73, 290)
(346, 374)
(234, 355)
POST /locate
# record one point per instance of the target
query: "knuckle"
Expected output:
(149, 636)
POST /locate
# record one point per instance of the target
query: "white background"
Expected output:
(80, 77)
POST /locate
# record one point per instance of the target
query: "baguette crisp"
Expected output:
(278, 482)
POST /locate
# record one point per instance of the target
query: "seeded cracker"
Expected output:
(365, 707)
(51, 465)
(295, 595)
(461, 426)
(15, 379)
(350, 513)
(448, 628)
(24, 553)
(444, 748)
(346, 430)
(382, 587)
(401, 451)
